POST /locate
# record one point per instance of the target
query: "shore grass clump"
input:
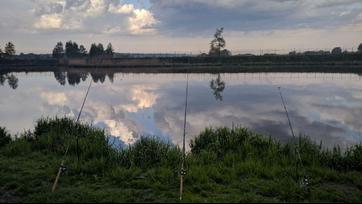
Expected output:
(223, 165)
(351, 159)
(247, 144)
(150, 152)
(5, 137)
(59, 134)
(241, 144)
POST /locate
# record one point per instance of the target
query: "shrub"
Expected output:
(18, 147)
(236, 140)
(5, 137)
(150, 152)
(59, 134)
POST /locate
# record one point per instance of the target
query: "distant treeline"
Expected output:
(292, 58)
(72, 50)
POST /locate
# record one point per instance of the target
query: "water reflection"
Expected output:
(12, 80)
(218, 86)
(323, 106)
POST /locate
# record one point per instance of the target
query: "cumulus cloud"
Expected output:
(141, 22)
(49, 21)
(54, 98)
(142, 96)
(123, 9)
(94, 16)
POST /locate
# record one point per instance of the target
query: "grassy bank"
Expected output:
(224, 165)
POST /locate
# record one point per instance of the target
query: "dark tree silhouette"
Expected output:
(100, 48)
(218, 86)
(82, 51)
(84, 76)
(13, 81)
(71, 49)
(360, 48)
(337, 51)
(98, 77)
(109, 51)
(218, 43)
(2, 79)
(73, 78)
(110, 76)
(96, 50)
(10, 49)
(58, 51)
(60, 77)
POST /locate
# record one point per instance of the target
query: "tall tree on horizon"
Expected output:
(58, 51)
(360, 48)
(100, 49)
(72, 49)
(82, 51)
(10, 49)
(337, 51)
(96, 50)
(218, 44)
(109, 51)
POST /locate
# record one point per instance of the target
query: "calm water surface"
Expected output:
(326, 107)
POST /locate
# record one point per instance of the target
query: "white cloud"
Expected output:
(93, 16)
(142, 96)
(49, 21)
(54, 98)
(121, 9)
(141, 22)
(97, 7)
(118, 129)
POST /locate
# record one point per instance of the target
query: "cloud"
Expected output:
(122, 9)
(142, 96)
(141, 22)
(198, 16)
(49, 21)
(54, 98)
(93, 16)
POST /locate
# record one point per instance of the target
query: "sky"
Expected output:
(182, 26)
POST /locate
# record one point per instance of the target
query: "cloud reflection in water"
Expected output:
(151, 104)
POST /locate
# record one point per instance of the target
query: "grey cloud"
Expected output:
(198, 16)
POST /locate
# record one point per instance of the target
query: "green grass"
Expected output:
(224, 165)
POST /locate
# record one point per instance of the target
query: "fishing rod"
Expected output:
(183, 171)
(62, 168)
(305, 181)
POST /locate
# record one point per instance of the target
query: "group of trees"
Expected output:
(74, 78)
(338, 50)
(72, 50)
(9, 50)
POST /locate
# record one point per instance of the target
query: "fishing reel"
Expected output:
(183, 172)
(305, 183)
(62, 169)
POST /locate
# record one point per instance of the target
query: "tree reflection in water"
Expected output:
(74, 78)
(218, 86)
(11, 78)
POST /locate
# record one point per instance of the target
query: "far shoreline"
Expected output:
(355, 68)
(344, 63)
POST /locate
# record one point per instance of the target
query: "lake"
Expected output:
(325, 107)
